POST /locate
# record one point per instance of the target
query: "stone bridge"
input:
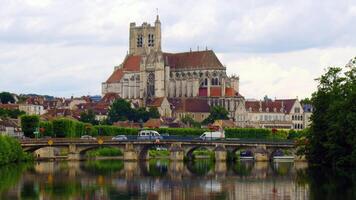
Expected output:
(138, 149)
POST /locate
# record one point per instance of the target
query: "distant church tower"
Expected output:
(145, 41)
(145, 38)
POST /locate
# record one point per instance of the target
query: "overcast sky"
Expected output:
(277, 47)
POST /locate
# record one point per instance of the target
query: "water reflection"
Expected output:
(162, 179)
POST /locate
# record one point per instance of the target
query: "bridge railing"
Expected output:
(165, 139)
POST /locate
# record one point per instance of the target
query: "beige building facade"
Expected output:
(148, 73)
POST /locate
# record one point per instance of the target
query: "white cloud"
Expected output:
(65, 47)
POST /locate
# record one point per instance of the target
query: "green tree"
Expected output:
(120, 110)
(29, 124)
(88, 117)
(332, 140)
(6, 97)
(216, 112)
(153, 113)
(306, 101)
(11, 113)
(141, 114)
(190, 122)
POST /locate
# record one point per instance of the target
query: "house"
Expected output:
(163, 106)
(267, 113)
(196, 108)
(10, 127)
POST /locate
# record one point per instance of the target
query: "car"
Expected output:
(87, 137)
(216, 135)
(119, 138)
(149, 135)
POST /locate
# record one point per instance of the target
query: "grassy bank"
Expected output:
(104, 151)
(158, 154)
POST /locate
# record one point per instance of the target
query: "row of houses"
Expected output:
(267, 113)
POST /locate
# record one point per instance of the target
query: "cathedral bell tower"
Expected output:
(145, 38)
(145, 41)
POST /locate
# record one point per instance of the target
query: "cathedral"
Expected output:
(177, 83)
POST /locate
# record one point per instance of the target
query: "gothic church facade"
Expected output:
(148, 73)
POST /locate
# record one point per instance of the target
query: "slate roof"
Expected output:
(278, 105)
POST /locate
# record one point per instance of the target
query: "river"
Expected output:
(161, 179)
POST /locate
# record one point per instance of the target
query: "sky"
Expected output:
(276, 47)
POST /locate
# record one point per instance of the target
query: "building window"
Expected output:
(297, 110)
(150, 40)
(139, 41)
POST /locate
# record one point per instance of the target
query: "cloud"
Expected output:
(69, 47)
(284, 75)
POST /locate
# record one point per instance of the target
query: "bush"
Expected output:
(46, 128)
(63, 127)
(11, 151)
(29, 124)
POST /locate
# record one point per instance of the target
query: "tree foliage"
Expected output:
(216, 112)
(190, 122)
(11, 113)
(10, 150)
(6, 97)
(333, 130)
(121, 110)
(88, 117)
(306, 101)
(29, 124)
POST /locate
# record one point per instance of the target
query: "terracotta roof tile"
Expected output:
(194, 59)
(287, 103)
(215, 91)
(115, 76)
(203, 92)
(152, 123)
(266, 106)
(9, 106)
(110, 97)
(230, 92)
(131, 63)
(157, 102)
(190, 105)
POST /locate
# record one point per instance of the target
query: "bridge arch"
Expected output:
(189, 152)
(143, 152)
(83, 150)
(241, 151)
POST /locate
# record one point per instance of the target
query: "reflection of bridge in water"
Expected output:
(138, 150)
(171, 180)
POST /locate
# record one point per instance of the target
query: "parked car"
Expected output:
(212, 135)
(149, 135)
(87, 137)
(119, 138)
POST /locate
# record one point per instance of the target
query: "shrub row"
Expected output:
(11, 151)
(70, 128)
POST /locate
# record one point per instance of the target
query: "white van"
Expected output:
(149, 135)
(216, 135)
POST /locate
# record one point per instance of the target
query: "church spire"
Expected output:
(157, 17)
